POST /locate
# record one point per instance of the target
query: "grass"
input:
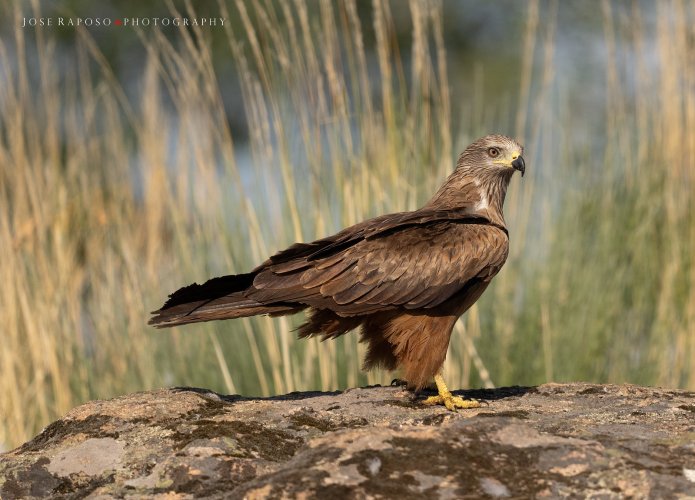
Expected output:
(108, 202)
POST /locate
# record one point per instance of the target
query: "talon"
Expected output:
(451, 402)
(447, 399)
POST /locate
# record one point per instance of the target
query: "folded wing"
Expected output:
(406, 260)
(419, 266)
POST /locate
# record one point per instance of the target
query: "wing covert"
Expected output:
(419, 266)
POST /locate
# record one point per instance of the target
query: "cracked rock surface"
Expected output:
(554, 440)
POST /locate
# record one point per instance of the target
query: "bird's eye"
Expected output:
(493, 152)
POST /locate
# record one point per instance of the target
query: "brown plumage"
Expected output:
(404, 278)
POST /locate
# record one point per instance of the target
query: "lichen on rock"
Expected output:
(553, 440)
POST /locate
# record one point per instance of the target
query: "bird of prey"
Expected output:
(402, 278)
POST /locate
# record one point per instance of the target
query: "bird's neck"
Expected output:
(479, 194)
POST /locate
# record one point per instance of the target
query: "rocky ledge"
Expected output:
(554, 440)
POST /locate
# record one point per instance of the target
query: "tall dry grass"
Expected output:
(108, 202)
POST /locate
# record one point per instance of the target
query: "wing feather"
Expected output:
(419, 266)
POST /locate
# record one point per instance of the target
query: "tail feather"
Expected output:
(210, 290)
(218, 298)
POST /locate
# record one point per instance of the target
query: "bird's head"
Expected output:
(493, 154)
(481, 178)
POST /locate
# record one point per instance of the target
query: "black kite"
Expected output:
(404, 278)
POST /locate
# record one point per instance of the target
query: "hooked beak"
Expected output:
(518, 164)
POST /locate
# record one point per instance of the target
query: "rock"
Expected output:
(554, 440)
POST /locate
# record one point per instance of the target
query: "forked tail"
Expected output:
(218, 298)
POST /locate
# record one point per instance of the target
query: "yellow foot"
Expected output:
(451, 402)
(447, 399)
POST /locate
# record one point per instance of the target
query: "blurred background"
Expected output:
(138, 159)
